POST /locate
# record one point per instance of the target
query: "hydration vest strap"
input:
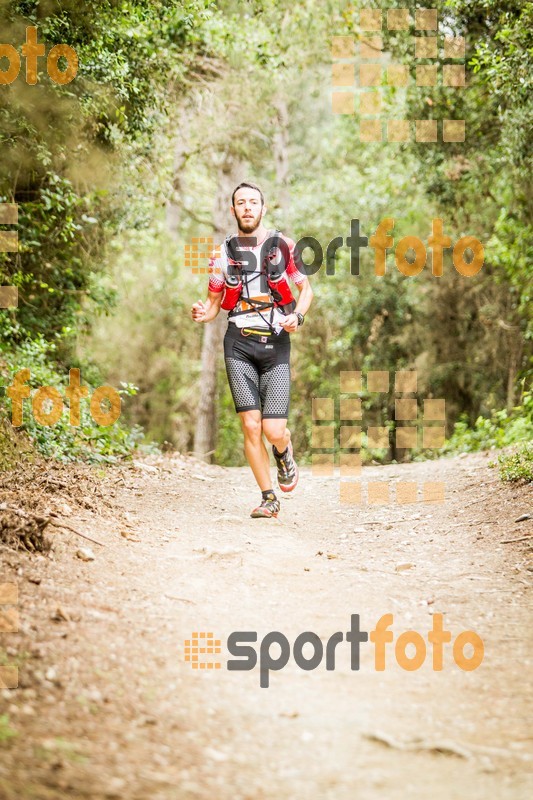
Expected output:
(257, 305)
(266, 269)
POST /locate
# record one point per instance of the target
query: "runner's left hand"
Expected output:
(290, 323)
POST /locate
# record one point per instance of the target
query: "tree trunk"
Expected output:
(205, 432)
(230, 173)
(281, 152)
(174, 205)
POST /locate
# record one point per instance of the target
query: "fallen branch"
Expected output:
(521, 539)
(78, 533)
(181, 599)
(447, 748)
(479, 500)
(474, 522)
(468, 524)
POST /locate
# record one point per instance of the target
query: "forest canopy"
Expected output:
(173, 104)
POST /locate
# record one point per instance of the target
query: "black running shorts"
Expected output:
(258, 371)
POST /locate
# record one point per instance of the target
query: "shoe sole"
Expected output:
(262, 516)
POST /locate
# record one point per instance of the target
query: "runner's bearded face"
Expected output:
(248, 212)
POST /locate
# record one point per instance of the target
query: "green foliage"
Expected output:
(479, 337)
(149, 340)
(93, 164)
(455, 331)
(517, 466)
(87, 442)
(72, 155)
(499, 430)
(79, 162)
(6, 731)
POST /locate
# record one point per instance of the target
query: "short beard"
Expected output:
(248, 226)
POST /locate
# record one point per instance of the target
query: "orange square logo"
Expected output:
(199, 647)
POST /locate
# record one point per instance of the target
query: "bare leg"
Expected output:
(254, 448)
(277, 433)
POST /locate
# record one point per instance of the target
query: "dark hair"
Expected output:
(250, 186)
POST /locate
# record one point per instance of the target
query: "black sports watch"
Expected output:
(301, 318)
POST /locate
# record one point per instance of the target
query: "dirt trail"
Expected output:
(107, 707)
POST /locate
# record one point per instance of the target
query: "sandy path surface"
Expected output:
(107, 706)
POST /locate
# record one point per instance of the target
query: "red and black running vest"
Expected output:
(272, 276)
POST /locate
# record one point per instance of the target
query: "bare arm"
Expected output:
(206, 312)
(305, 298)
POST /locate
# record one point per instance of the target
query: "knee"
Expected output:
(251, 428)
(274, 429)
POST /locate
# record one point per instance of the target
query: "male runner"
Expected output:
(257, 342)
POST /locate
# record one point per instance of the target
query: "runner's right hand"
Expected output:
(198, 311)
